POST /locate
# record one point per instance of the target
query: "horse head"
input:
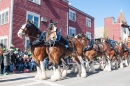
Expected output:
(51, 34)
(28, 29)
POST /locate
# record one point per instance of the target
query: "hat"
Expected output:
(14, 49)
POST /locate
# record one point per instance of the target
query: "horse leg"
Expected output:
(112, 65)
(75, 59)
(126, 62)
(83, 71)
(38, 73)
(92, 69)
(116, 63)
(101, 63)
(43, 75)
(128, 58)
(108, 65)
(64, 72)
(57, 73)
(87, 66)
(121, 62)
(73, 68)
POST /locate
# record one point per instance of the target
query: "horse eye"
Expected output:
(50, 28)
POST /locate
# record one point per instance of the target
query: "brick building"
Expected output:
(114, 30)
(14, 13)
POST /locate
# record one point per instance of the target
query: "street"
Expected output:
(120, 77)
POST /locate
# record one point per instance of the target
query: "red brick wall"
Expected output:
(50, 9)
(113, 29)
(80, 23)
(4, 29)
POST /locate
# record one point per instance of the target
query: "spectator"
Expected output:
(13, 62)
(19, 61)
(6, 60)
(1, 58)
(33, 65)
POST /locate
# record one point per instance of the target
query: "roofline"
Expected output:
(81, 11)
(99, 27)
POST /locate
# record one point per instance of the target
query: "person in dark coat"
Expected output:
(1, 58)
(13, 62)
(6, 60)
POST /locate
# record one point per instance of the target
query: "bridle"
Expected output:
(24, 32)
(27, 28)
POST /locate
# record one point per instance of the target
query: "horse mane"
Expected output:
(30, 23)
(37, 29)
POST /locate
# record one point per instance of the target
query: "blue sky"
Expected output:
(101, 9)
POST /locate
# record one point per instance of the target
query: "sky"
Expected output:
(101, 9)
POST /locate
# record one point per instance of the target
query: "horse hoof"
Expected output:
(121, 66)
(42, 77)
(92, 71)
(36, 77)
(84, 75)
(64, 74)
(78, 75)
(53, 78)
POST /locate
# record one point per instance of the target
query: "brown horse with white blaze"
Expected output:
(109, 54)
(56, 50)
(38, 51)
(124, 54)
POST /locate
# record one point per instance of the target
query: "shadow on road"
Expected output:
(16, 79)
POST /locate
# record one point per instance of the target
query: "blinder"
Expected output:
(28, 25)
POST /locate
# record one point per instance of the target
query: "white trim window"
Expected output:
(27, 41)
(72, 15)
(88, 22)
(36, 1)
(88, 34)
(72, 31)
(4, 16)
(4, 41)
(33, 17)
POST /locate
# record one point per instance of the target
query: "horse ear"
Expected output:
(29, 21)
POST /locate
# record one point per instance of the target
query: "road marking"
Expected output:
(32, 83)
(13, 81)
(49, 83)
(29, 84)
(40, 81)
(43, 81)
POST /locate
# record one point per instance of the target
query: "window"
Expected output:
(88, 34)
(3, 41)
(4, 14)
(113, 20)
(0, 19)
(124, 30)
(72, 31)
(34, 17)
(72, 15)
(27, 43)
(36, 1)
(88, 22)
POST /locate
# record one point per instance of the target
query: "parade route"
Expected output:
(118, 77)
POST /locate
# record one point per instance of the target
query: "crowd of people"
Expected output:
(16, 60)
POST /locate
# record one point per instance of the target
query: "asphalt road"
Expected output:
(120, 77)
